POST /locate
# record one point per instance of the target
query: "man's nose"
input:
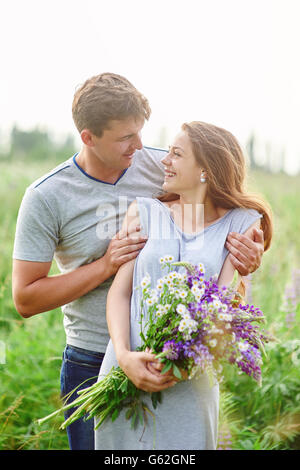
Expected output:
(138, 142)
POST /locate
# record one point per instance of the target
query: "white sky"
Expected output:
(234, 63)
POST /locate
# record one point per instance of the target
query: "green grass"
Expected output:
(251, 417)
(29, 386)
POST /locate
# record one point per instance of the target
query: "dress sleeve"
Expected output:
(242, 219)
(37, 232)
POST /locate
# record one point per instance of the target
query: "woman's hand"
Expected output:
(157, 367)
(143, 370)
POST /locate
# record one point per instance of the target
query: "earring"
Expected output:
(203, 179)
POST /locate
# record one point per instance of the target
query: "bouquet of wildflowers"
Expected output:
(191, 325)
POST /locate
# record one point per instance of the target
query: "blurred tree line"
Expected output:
(37, 145)
(263, 156)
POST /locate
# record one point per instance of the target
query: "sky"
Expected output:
(233, 63)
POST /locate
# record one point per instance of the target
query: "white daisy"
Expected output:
(182, 294)
(217, 303)
(192, 325)
(210, 307)
(186, 316)
(201, 267)
(224, 308)
(195, 289)
(145, 281)
(181, 309)
(243, 346)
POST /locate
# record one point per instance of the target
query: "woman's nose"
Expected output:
(166, 160)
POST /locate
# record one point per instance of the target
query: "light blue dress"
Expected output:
(187, 418)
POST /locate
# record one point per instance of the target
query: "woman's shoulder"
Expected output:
(241, 212)
(242, 218)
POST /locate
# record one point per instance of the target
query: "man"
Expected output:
(74, 214)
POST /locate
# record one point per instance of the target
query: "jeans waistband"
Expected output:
(100, 355)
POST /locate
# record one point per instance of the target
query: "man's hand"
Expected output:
(139, 368)
(124, 247)
(246, 250)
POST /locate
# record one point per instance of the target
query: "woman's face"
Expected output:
(182, 173)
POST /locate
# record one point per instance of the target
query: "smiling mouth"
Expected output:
(129, 155)
(169, 174)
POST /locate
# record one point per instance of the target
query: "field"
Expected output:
(251, 417)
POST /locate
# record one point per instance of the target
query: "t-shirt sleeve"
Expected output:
(243, 218)
(37, 232)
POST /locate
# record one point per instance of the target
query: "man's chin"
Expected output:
(127, 161)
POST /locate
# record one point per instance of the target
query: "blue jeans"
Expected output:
(79, 365)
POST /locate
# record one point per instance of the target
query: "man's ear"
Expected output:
(87, 137)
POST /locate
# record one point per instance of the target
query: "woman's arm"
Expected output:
(134, 364)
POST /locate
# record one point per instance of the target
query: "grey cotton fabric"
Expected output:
(187, 418)
(71, 217)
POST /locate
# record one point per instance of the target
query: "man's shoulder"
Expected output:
(53, 177)
(149, 158)
(155, 152)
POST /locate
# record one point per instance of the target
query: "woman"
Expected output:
(204, 179)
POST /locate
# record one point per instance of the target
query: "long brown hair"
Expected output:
(218, 152)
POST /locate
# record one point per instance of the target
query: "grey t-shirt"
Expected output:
(71, 217)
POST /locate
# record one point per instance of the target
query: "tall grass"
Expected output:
(269, 417)
(29, 385)
(251, 417)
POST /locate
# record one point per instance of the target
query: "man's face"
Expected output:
(117, 145)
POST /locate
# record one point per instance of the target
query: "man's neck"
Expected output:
(91, 165)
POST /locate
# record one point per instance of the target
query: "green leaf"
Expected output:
(143, 336)
(177, 372)
(168, 367)
(159, 397)
(115, 414)
(133, 420)
(129, 413)
(141, 414)
(154, 399)
(124, 386)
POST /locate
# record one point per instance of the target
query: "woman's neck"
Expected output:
(193, 214)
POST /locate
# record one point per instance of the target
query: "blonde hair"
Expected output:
(104, 98)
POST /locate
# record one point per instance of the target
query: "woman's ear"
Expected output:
(203, 176)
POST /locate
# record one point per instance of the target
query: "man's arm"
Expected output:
(228, 268)
(35, 292)
(246, 250)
